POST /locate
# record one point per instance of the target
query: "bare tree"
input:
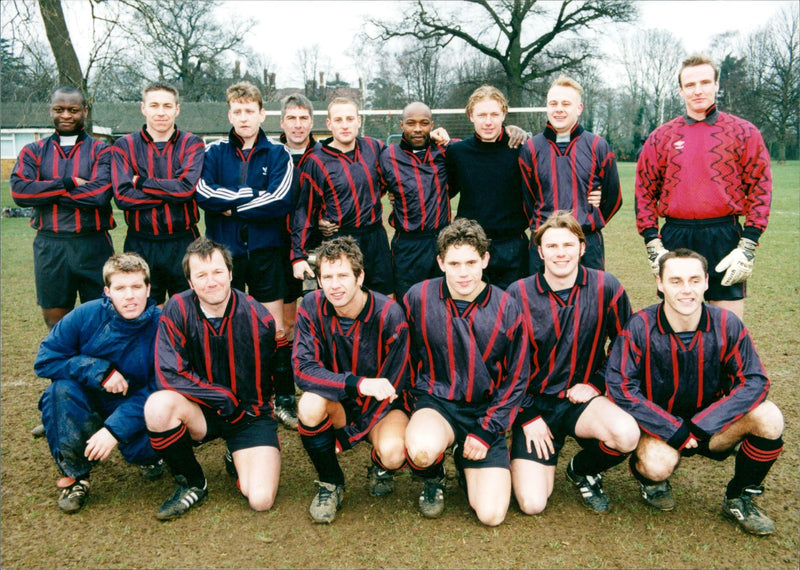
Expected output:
(425, 72)
(501, 31)
(308, 62)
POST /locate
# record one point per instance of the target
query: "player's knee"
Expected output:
(625, 434)
(532, 503)
(656, 466)
(391, 452)
(160, 410)
(261, 498)
(767, 421)
(490, 515)
(311, 409)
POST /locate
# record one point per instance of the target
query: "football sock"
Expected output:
(282, 375)
(320, 444)
(433, 471)
(175, 447)
(753, 462)
(595, 457)
(377, 461)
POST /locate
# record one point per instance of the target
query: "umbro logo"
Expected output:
(678, 145)
(264, 171)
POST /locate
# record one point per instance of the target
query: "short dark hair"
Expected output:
(128, 262)
(204, 248)
(69, 90)
(296, 100)
(336, 248)
(462, 231)
(559, 219)
(160, 86)
(680, 253)
(698, 59)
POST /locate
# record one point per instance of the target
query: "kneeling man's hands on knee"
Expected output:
(116, 384)
(539, 437)
(378, 388)
(581, 393)
(474, 449)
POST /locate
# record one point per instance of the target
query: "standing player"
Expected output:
(245, 190)
(470, 354)
(352, 363)
(690, 375)
(341, 183)
(561, 169)
(154, 173)
(415, 177)
(100, 360)
(66, 179)
(214, 356)
(486, 172)
(702, 171)
(297, 120)
(570, 311)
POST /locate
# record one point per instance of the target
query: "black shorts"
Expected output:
(262, 271)
(713, 239)
(164, 256)
(463, 418)
(66, 266)
(560, 415)
(413, 259)
(374, 245)
(294, 287)
(508, 260)
(594, 257)
(262, 431)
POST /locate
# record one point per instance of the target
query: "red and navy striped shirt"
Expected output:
(227, 370)
(478, 357)
(418, 182)
(161, 203)
(695, 170)
(44, 179)
(343, 190)
(331, 358)
(570, 339)
(554, 180)
(664, 383)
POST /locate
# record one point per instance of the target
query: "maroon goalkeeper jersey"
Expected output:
(704, 169)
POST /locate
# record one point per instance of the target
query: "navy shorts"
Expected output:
(712, 238)
(594, 257)
(294, 287)
(413, 259)
(67, 266)
(164, 256)
(463, 418)
(262, 431)
(560, 415)
(508, 260)
(374, 245)
(262, 271)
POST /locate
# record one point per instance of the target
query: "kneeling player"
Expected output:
(214, 357)
(100, 360)
(351, 361)
(690, 375)
(470, 351)
(570, 312)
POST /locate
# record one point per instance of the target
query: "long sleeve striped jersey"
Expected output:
(570, 339)
(44, 179)
(341, 189)
(331, 359)
(480, 356)
(418, 182)
(711, 382)
(552, 180)
(704, 169)
(156, 188)
(230, 370)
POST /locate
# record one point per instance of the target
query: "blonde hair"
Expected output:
(125, 263)
(244, 92)
(564, 81)
(486, 92)
(342, 101)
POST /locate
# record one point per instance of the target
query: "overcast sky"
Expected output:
(332, 25)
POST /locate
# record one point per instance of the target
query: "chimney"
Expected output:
(322, 79)
(337, 78)
(271, 82)
(237, 69)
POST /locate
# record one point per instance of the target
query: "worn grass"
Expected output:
(117, 529)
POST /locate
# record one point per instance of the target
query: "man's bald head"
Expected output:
(416, 107)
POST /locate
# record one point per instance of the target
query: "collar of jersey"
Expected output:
(550, 132)
(711, 116)
(665, 328)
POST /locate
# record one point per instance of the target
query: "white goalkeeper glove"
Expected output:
(738, 263)
(655, 249)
